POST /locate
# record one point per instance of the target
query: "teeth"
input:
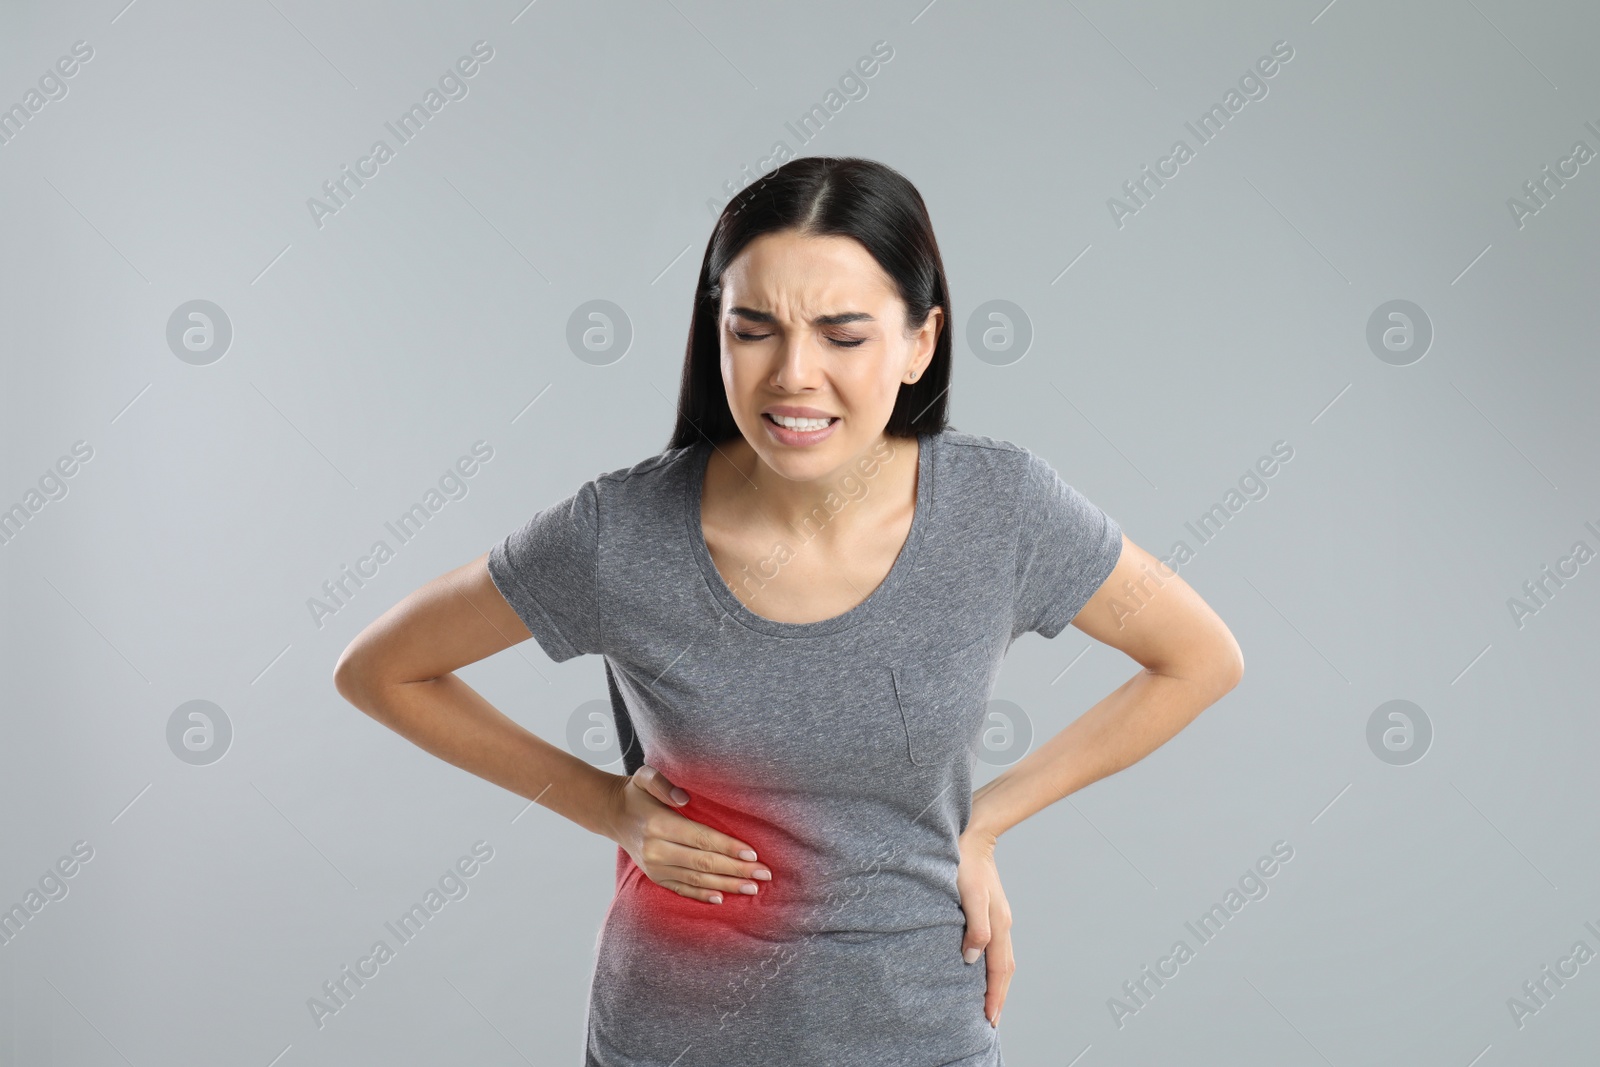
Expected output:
(800, 424)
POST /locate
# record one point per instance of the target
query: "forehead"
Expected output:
(792, 274)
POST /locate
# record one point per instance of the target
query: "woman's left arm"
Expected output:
(1189, 659)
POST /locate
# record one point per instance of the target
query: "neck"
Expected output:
(876, 480)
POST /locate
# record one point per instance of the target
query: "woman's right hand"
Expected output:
(674, 851)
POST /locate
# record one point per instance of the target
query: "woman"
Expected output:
(804, 601)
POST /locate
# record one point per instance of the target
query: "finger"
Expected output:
(693, 892)
(669, 853)
(657, 785)
(1002, 964)
(977, 935)
(685, 831)
(704, 880)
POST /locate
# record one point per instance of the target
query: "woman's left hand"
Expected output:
(988, 918)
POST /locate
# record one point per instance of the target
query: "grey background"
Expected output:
(369, 354)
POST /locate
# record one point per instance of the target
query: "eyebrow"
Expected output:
(821, 320)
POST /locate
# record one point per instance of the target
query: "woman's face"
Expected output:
(812, 326)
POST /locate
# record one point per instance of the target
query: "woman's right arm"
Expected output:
(400, 670)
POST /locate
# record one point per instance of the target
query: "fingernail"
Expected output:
(762, 873)
(746, 854)
(679, 796)
(972, 954)
(997, 1018)
(716, 898)
(747, 888)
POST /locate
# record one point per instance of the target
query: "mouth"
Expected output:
(799, 431)
(793, 423)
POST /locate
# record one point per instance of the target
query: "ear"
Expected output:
(923, 344)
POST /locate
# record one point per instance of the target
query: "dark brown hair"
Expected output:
(821, 196)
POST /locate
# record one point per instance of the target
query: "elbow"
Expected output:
(1215, 672)
(349, 679)
(1213, 667)
(1232, 660)
(363, 675)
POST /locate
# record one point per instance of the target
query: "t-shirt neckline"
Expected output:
(734, 607)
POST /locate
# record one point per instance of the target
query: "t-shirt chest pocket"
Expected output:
(941, 701)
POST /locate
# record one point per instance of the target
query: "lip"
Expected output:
(799, 438)
(797, 412)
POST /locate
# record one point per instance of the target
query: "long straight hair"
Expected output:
(821, 196)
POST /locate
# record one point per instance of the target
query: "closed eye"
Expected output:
(836, 342)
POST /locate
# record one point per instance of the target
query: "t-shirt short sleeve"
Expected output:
(1066, 548)
(547, 570)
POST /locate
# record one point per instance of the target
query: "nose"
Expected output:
(799, 365)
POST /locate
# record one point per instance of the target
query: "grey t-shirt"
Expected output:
(841, 750)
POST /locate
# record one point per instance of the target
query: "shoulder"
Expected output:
(991, 460)
(645, 487)
(976, 445)
(648, 471)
